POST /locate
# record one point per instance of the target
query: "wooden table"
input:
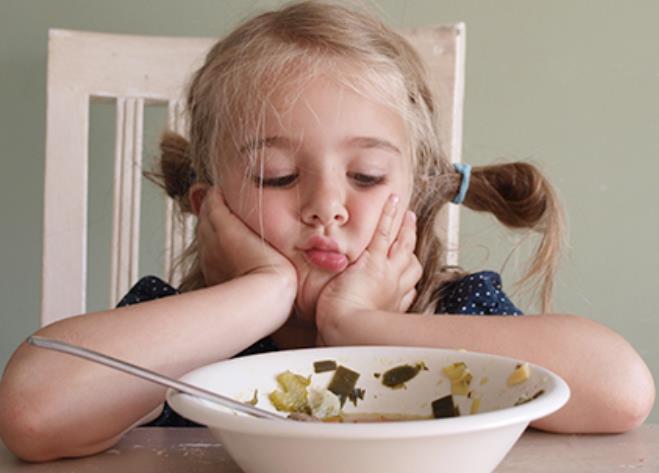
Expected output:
(193, 450)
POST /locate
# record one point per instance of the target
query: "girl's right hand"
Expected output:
(229, 249)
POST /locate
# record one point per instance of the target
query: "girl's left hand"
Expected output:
(382, 278)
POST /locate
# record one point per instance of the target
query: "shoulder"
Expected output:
(476, 294)
(146, 289)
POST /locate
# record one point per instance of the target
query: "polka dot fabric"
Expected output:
(476, 294)
(146, 289)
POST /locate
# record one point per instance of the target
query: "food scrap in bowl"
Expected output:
(293, 396)
(396, 377)
(296, 395)
(521, 373)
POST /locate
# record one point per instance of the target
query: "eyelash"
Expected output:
(281, 181)
(362, 180)
(365, 180)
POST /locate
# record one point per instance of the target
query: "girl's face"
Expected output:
(330, 160)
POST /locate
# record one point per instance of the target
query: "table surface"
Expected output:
(195, 450)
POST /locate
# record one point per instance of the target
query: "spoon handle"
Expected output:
(149, 375)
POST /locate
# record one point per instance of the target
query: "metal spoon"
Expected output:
(152, 376)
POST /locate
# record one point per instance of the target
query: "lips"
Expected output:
(328, 260)
(325, 254)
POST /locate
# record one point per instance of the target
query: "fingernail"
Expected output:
(393, 198)
(412, 216)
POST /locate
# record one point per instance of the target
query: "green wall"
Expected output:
(572, 86)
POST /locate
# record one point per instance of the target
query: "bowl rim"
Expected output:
(216, 417)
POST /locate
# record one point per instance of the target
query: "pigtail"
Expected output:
(520, 197)
(429, 251)
(175, 174)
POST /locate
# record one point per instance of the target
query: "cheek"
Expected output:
(274, 222)
(365, 216)
(267, 220)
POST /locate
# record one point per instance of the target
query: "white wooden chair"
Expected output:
(132, 71)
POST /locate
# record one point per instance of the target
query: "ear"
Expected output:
(196, 195)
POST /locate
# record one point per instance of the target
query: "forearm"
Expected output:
(66, 405)
(612, 388)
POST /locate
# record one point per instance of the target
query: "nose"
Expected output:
(324, 203)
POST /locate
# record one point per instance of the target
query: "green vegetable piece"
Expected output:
(355, 395)
(444, 407)
(254, 399)
(398, 376)
(343, 382)
(325, 365)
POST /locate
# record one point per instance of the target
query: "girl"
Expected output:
(315, 170)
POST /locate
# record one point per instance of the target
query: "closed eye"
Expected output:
(361, 180)
(279, 181)
(365, 180)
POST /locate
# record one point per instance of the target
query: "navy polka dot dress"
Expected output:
(475, 294)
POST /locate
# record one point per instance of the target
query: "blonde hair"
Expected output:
(229, 94)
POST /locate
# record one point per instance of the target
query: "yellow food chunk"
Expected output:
(475, 405)
(461, 386)
(455, 371)
(460, 377)
(521, 373)
(293, 394)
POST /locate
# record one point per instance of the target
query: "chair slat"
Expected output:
(135, 172)
(64, 278)
(127, 192)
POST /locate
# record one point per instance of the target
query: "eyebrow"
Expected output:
(370, 142)
(276, 141)
(282, 142)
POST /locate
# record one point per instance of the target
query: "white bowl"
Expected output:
(466, 444)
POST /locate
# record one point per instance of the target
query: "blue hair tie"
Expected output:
(465, 171)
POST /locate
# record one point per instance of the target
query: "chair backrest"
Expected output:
(133, 71)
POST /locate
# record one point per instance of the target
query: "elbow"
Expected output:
(22, 434)
(628, 402)
(23, 429)
(30, 431)
(624, 394)
(27, 437)
(638, 403)
(613, 390)
(628, 417)
(632, 394)
(596, 412)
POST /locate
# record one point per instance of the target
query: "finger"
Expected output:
(406, 239)
(407, 300)
(411, 275)
(217, 211)
(382, 236)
